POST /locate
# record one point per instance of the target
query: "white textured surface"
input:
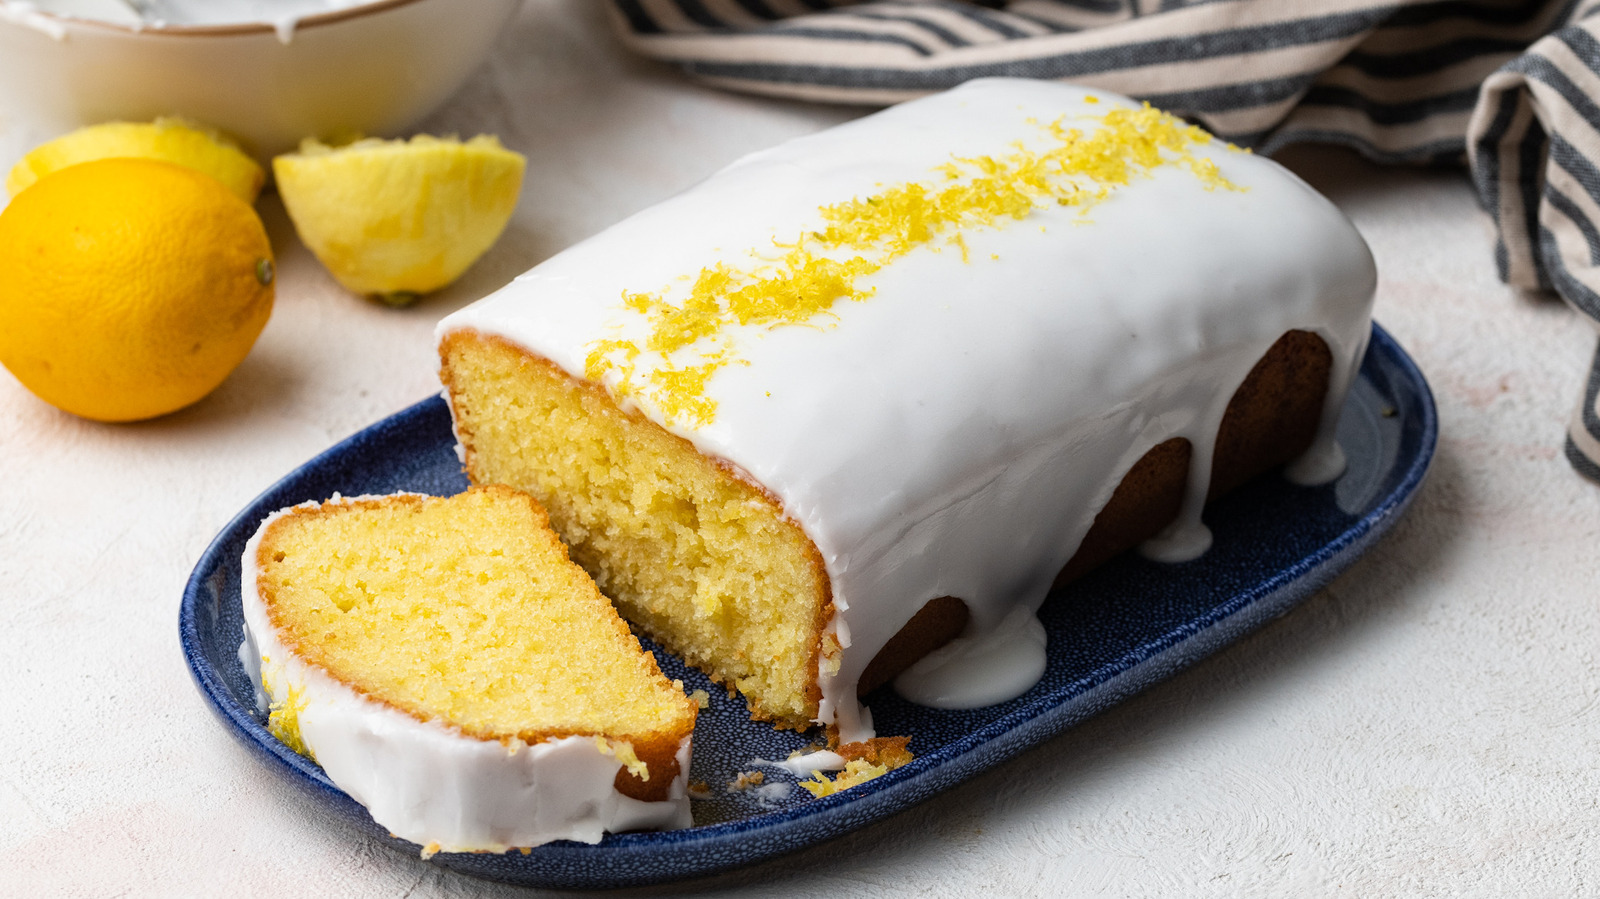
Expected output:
(1426, 726)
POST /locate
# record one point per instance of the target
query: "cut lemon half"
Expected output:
(176, 141)
(400, 218)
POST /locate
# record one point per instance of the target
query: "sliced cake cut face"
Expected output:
(690, 551)
(460, 621)
(463, 610)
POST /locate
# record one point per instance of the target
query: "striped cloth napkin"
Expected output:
(1510, 86)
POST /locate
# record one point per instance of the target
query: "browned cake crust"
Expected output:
(659, 752)
(1271, 419)
(939, 621)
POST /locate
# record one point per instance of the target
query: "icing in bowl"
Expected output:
(304, 68)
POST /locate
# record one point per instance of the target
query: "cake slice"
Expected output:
(453, 671)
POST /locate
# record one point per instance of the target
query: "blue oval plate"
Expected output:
(1127, 625)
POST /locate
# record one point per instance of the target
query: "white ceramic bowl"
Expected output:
(376, 69)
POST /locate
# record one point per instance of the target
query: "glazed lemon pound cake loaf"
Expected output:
(878, 387)
(451, 669)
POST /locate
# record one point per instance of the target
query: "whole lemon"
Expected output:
(130, 288)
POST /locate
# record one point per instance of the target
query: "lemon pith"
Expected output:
(129, 288)
(172, 140)
(400, 217)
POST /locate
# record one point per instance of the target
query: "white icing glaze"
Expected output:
(429, 783)
(1184, 540)
(807, 764)
(282, 15)
(1320, 464)
(982, 669)
(956, 434)
(773, 794)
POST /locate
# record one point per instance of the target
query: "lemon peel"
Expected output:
(799, 284)
(399, 218)
(174, 140)
(283, 715)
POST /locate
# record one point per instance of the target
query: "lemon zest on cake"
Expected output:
(283, 713)
(960, 240)
(688, 340)
(623, 751)
(832, 655)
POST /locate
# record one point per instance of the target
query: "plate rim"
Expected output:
(985, 747)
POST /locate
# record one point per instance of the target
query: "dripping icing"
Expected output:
(981, 669)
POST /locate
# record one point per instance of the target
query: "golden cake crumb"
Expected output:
(857, 772)
(863, 761)
(890, 752)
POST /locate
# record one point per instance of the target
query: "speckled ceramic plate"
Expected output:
(1126, 626)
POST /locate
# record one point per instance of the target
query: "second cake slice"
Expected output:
(454, 672)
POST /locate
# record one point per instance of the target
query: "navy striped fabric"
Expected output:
(1510, 86)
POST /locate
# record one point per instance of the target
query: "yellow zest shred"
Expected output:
(688, 341)
(283, 714)
(832, 655)
(623, 751)
(858, 771)
(863, 761)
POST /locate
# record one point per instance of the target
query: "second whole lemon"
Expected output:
(130, 288)
(399, 218)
